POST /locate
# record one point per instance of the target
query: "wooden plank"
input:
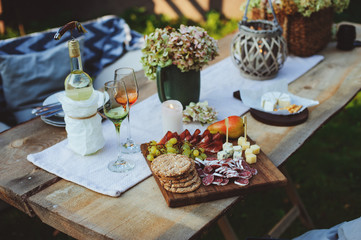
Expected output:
(139, 213)
(19, 178)
(268, 176)
(284, 223)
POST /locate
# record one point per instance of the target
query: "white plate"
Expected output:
(58, 119)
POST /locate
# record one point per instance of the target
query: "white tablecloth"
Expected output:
(218, 82)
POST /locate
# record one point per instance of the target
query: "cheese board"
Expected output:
(268, 176)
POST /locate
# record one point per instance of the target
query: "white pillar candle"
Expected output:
(172, 116)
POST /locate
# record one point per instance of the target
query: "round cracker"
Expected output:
(188, 189)
(182, 184)
(171, 165)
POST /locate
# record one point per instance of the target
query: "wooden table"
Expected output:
(141, 213)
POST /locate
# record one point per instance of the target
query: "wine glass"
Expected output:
(116, 109)
(128, 76)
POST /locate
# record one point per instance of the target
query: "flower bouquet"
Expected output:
(306, 24)
(189, 48)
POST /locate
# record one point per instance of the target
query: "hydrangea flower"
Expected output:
(199, 112)
(189, 48)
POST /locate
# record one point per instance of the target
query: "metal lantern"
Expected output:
(259, 49)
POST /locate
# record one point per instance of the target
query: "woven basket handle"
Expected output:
(244, 20)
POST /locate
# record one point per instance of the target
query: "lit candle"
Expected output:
(172, 116)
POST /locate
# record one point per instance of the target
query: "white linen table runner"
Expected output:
(218, 82)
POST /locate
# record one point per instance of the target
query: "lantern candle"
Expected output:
(172, 116)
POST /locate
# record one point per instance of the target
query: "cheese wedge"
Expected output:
(251, 158)
(284, 100)
(245, 145)
(248, 151)
(255, 148)
(271, 100)
(241, 140)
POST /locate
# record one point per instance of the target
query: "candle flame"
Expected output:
(171, 106)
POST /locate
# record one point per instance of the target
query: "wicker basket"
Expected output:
(305, 36)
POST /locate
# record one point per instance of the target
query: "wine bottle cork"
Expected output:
(74, 49)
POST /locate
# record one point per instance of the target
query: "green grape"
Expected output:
(203, 156)
(153, 143)
(171, 150)
(169, 144)
(173, 141)
(153, 150)
(157, 152)
(195, 153)
(150, 157)
(186, 146)
(201, 149)
(186, 152)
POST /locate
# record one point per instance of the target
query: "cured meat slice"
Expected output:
(166, 137)
(208, 169)
(254, 171)
(217, 180)
(225, 181)
(213, 147)
(188, 138)
(196, 133)
(232, 174)
(241, 182)
(245, 165)
(217, 137)
(200, 172)
(207, 180)
(183, 135)
(205, 140)
(195, 140)
(218, 175)
(206, 133)
(245, 174)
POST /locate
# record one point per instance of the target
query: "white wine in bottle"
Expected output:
(78, 84)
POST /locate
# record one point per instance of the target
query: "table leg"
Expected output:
(226, 228)
(298, 210)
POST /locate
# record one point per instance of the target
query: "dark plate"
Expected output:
(280, 120)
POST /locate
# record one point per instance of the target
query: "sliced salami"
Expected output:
(207, 180)
(225, 181)
(217, 180)
(241, 182)
(245, 174)
(200, 172)
(208, 169)
(254, 171)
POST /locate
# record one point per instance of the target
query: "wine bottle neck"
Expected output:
(74, 54)
(76, 64)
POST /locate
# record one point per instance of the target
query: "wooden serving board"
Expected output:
(268, 176)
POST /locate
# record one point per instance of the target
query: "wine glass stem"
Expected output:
(117, 129)
(129, 136)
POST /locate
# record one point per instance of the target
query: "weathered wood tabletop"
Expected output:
(141, 212)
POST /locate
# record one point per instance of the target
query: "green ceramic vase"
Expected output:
(174, 84)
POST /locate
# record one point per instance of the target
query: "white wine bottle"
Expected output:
(78, 84)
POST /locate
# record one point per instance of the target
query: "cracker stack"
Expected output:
(176, 173)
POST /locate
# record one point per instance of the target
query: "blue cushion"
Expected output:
(108, 38)
(29, 78)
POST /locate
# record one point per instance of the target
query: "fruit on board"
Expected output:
(235, 129)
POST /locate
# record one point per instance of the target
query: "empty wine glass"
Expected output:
(128, 76)
(116, 109)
